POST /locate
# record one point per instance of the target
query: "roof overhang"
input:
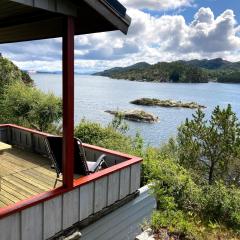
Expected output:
(23, 20)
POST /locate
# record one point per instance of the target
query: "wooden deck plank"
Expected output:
(9, 196)
(24, 174)
(34, 181)
(13, 192)
(22, 184)
(17, 188)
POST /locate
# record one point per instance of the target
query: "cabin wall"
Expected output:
(60, 213)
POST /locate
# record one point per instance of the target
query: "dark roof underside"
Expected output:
(19, 22)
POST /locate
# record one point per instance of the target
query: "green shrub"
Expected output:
(10, 73)
(110, 137)
(27, 106)
(178, 224)
(222, 204)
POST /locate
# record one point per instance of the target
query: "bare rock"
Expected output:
(135, 115)
(146, 235)
(166, 103)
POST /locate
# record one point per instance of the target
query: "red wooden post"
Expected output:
(68, 102)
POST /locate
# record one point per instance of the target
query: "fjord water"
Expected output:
(95, 94)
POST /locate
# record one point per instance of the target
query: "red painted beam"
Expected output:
(68, 102)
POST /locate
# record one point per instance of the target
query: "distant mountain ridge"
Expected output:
(213, 64)
(195, 70)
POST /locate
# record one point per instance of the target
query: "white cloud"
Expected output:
(157, 5)
(150, 39)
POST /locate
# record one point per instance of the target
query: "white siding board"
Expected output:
(10, 227)
(100, 194)
(124, 182)
(52, 217)
(86, 200)
(113, 188)
(32, 223)
(135, 177)
(70, 208)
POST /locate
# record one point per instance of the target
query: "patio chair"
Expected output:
(81, 165)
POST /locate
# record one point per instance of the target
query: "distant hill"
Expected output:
(214, 64)
(137, 66)
(193, 71)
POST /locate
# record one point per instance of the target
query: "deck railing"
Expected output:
(54, 211)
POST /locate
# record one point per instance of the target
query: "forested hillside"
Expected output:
(193, 71)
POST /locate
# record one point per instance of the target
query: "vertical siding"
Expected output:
(124, 182)
(113, 188)
(86, 201)
(10, 227)
(100, 194)
(135, 177)
(3, 134)
(32, 223)
(70, 208)
(52, 216)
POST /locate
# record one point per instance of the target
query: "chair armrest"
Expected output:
(100, 161)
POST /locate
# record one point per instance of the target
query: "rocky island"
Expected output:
(166, 103)
(135, 115)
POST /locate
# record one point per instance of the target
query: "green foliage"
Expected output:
(222, 203)
(110, 137)
(182, 203)
(229, 77)
(177, 222)
(10, 73)
(28, 106)
(211, 148)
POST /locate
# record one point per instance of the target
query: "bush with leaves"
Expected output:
(183, 205)
(112, 137)
(27, 106)
(222, 204)
(10, 73)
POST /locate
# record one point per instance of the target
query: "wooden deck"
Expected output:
(24, 174)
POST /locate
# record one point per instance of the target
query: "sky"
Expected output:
(161, 30)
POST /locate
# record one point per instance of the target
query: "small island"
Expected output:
(135, 115)
(166, 103)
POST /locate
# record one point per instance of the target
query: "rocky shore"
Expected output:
(135, 115)
(166, 103)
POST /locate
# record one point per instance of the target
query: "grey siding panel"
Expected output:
(113, 188)
(124, 223)
(70, 208)
(86, 200)
(100, 194)
(10, 228)
(124, 182)
(135, 177)
(52, 217)
(32, 226)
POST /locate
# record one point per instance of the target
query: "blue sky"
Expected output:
(161, 30)
(217, 6)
